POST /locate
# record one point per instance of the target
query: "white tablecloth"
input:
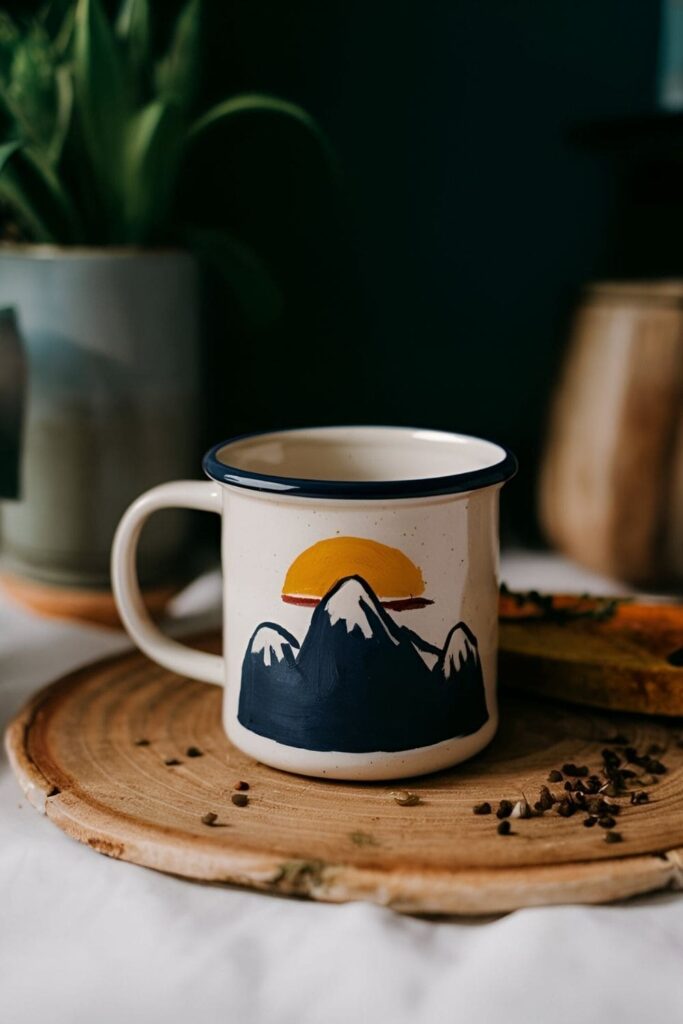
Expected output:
(89, 940)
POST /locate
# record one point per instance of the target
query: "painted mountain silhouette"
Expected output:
(359, 682)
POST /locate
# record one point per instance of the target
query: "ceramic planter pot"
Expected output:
(111, 342)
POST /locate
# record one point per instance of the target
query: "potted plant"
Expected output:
(99, 260)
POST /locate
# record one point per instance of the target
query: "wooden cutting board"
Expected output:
(629, 660)
(128, 758)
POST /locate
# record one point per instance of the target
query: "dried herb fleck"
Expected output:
(210, 818)
(240, 799)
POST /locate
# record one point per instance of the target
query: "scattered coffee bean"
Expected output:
(240, 799)
(142, 743)
(484, 808)
(504, 828)
(569, 786)
(607, 821)
(657, 768)
(555, 776)
(612, 808)
(193, 752)
(241, 785)
(172, 762)
(209, 818)
(639, 797)
(589, 821)
(613, 837)
(575, 770)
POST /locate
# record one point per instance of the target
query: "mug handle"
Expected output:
(168, 653)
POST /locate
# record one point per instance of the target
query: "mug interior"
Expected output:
(355, 454)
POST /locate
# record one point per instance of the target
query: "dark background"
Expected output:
(436, 287)
(438, 291)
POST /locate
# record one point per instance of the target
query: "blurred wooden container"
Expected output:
(611, 486)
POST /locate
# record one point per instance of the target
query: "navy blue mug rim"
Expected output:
(415, 487)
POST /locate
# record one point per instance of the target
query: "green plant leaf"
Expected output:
(260, 103)
(65, 102)
(30, 92)
(33, 192)
(101, 101)
(255, 289)
(177, 75)
(150, 167)
(134, 30)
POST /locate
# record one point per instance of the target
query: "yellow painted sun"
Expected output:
(394, 578)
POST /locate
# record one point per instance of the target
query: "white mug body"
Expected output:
(360, 598)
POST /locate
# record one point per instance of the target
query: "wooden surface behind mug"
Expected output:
(611, 490)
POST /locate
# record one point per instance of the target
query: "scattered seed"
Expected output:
(566, 808)
(142, 743)
(607, 821)
(504, 828)
(209, 818)
(611, 758)
(484, 808)
(521, 809)
(240, 799)
(589, 821)
(657, 768)
(569, 786)
(504, 809)
(546, 799)
(172, 762)
(241, 785)
(611, 789)
(612, 808)
(193, 752)
(555, 776)
(575, 770)
(639, 797)
(613, 837)
(406, 799)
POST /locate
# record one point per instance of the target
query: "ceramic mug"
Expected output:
(360, 584)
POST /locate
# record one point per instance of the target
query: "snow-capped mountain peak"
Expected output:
(461, 646)
(350, 603)
(271, 643)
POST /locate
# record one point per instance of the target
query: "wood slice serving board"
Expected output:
(629, 660)
(77, 752)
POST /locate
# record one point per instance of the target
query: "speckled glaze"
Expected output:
(448, 537)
